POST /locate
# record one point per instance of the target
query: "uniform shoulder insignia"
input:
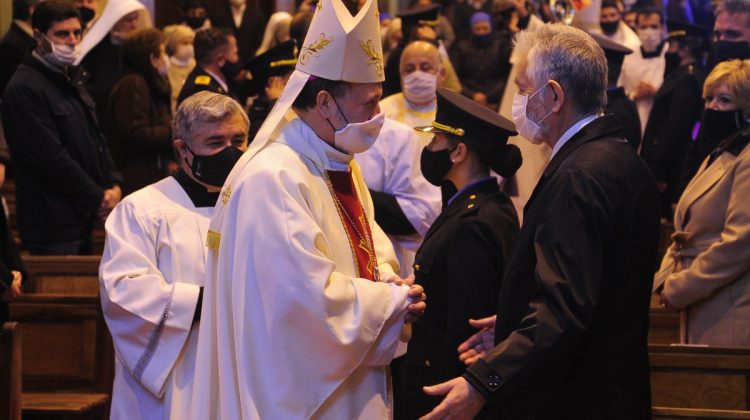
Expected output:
(202, 80)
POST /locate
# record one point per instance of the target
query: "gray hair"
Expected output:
(204, 107)
(570, 57)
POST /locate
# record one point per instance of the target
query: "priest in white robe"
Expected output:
(302, 309)
(405, 203)
(153, 267)
(421, 72)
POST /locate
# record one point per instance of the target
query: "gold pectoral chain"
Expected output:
(365, 241)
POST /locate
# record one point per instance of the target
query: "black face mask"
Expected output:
(436, 164)
(719, 125)
(86, 14)
(214, 169)
(481, 40)
(195, 22)
(672, 61)
(609, 27)
(730, 50)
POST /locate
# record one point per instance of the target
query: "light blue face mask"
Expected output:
(524, 125)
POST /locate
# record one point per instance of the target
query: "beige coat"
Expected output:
(706, 270)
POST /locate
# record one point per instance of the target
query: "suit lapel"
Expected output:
(600, 127)
(706, 178)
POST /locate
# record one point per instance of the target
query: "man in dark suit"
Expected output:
(18, 42)
(214, 49)
(570, 337)
(245, 21)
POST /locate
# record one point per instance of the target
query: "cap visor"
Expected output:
(429, 129)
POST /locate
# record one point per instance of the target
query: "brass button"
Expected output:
(469, 206)
(416, 267)
(427, 363)
(473, 196)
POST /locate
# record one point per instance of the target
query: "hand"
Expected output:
(480, 97)
(417, 306)
(665, 302)
(111, 197)
(461, 402)
(275, 87)
(388, 277)
(14, 290)
(476, 346)
(644, 91)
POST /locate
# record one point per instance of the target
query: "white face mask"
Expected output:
(357, 137)
(524, 125)
(650, 39)
(420, 87)
(62, 55)
(184, 53)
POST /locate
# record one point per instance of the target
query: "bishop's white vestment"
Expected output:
(288, 329)
(150, 276)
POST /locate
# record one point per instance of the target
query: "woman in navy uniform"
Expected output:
(460, 263)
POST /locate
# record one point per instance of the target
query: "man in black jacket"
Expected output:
(570, 337)
(65, 178)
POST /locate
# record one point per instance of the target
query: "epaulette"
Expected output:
(202, 80)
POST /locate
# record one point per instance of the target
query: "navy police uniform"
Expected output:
(197, 81)
(461, 260)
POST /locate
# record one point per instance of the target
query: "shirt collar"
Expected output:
(466, 187)
(575, 128)
(218, 79)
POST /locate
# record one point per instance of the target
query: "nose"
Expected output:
(712, 104)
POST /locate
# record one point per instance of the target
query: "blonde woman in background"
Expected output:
(706, 271)
(179, 45)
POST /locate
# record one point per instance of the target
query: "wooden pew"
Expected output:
(68, 353)
(700, 382)
(10, 371)
(664, 325)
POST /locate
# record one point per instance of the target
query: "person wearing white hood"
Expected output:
(100, 48)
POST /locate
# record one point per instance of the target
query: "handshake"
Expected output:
(416, 295)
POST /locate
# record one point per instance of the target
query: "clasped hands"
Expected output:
(416, 294)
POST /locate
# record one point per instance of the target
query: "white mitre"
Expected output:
(338, 46)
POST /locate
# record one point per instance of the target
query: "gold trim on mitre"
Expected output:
(374, 58)
(314, 48)
(672, 34)
(448, 129)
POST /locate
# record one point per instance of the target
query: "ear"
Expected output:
(179, 144)
(557, 95)
(460, 154)
(38, 37)
(324, 103)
